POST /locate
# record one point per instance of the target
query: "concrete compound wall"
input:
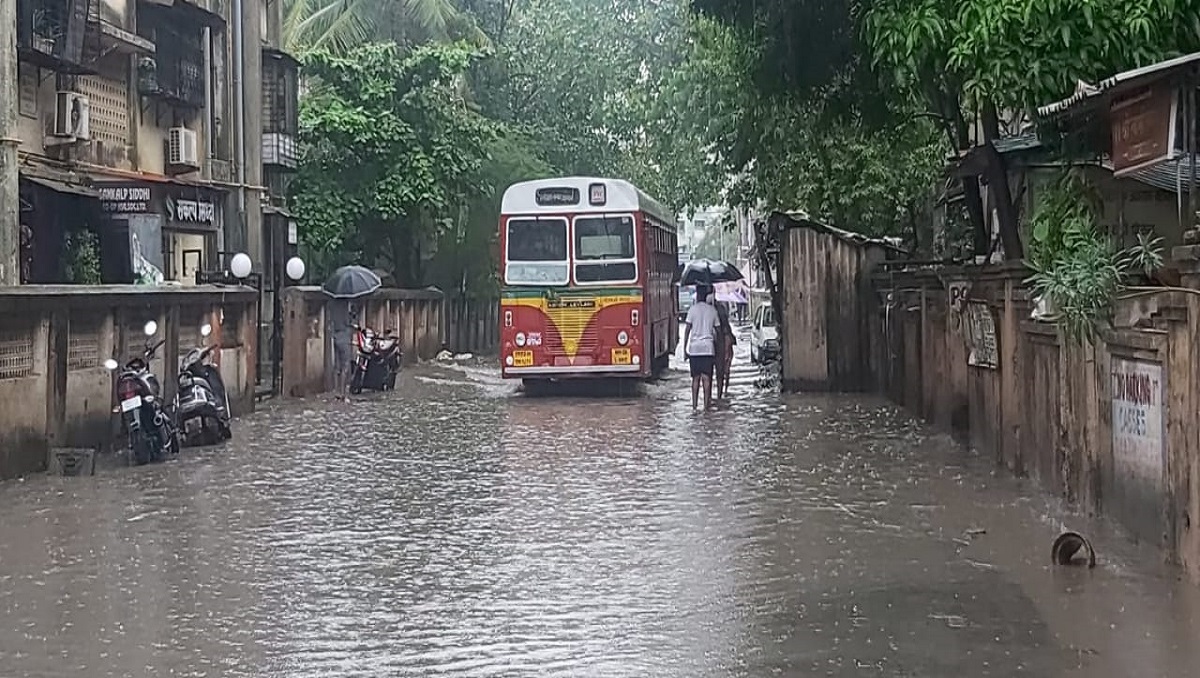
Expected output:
(1110, 426)
(54, 390)
(417, 316)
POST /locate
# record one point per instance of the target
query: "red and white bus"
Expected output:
(587, 272)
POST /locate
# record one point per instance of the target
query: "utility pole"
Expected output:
(10, 198)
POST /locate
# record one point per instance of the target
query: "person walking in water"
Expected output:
(725, 341)
(342, 319)
(699, 344)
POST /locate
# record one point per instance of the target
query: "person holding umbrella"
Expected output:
(713, 334)
(699, 344)
(346, 283)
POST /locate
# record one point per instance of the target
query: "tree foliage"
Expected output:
(340, 26)
(789, 152)
(869, 66)
(565, 87)
(389, 148)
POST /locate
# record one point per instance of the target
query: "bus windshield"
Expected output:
(536, 251)
(604, 249)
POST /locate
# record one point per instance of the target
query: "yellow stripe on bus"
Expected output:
(570, 319)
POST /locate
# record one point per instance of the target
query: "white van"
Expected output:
(764, 336)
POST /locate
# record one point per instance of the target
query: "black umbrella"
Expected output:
(349, 282)
(707, 272)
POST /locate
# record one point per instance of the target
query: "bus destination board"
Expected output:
(556, 196)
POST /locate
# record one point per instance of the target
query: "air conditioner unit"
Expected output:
(182, 149)
(71, 116)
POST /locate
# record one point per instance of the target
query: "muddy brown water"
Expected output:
(455, 528)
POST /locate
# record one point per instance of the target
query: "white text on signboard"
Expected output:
(982, 335)
(1137, 418)
(125, 199)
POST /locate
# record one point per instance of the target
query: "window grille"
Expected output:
(16, 353)
(83, 344)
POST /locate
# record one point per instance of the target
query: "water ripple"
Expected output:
(457, 529)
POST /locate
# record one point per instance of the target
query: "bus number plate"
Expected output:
(522, 358)
(620, 356)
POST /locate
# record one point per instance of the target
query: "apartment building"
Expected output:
(155, 139)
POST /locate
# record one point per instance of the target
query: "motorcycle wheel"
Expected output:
(391, 381)
(226, 431)
(211, 435)
(356, 382)
(142, 448)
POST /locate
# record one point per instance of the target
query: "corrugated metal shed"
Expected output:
(1086, 94)
(1174, 176)
(826, 304)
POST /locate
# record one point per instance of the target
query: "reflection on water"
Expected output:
(456, 529)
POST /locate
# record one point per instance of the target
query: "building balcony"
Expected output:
(174, 73)
(281, 92)
(59, 35)
(175, 81)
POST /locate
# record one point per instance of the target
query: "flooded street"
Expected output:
(457, 528)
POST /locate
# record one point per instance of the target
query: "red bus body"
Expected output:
(588, 269)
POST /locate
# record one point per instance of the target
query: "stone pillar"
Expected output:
(56, 327)
(1187, 259)
(295, 343)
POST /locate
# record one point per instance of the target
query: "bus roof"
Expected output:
(620, 196)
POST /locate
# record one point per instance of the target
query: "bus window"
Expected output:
(604, 249)
(537, 252)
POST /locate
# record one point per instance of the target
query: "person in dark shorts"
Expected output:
(699, 344)
(342, 322)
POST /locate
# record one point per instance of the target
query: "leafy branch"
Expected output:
(1077, 269)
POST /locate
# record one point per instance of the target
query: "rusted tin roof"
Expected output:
(801, 220)
(1085, 94)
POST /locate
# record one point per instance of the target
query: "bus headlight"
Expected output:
(520, 338)
(508, 360)
(622, 337)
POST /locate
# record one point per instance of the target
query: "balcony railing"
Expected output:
(175, 73)
(60, 35)
(280, 109)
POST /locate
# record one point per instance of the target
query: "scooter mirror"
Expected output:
(151, 328)
(110, 364)
(205, 330)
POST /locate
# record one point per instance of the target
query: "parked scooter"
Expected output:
(149, 421)
(203, 411)
(377, 362)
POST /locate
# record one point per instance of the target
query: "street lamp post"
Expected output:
(241, 271)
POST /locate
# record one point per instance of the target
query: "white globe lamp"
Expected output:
(240, 266)
(295, 268)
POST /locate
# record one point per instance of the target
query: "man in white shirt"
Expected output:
(699, 343)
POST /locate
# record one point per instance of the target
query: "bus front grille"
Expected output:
(572, 323)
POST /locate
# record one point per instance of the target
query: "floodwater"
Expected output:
(456, 528)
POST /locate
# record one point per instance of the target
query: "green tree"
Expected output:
(389, 149)
(465, 262)
(340, 26)
(576, 76)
